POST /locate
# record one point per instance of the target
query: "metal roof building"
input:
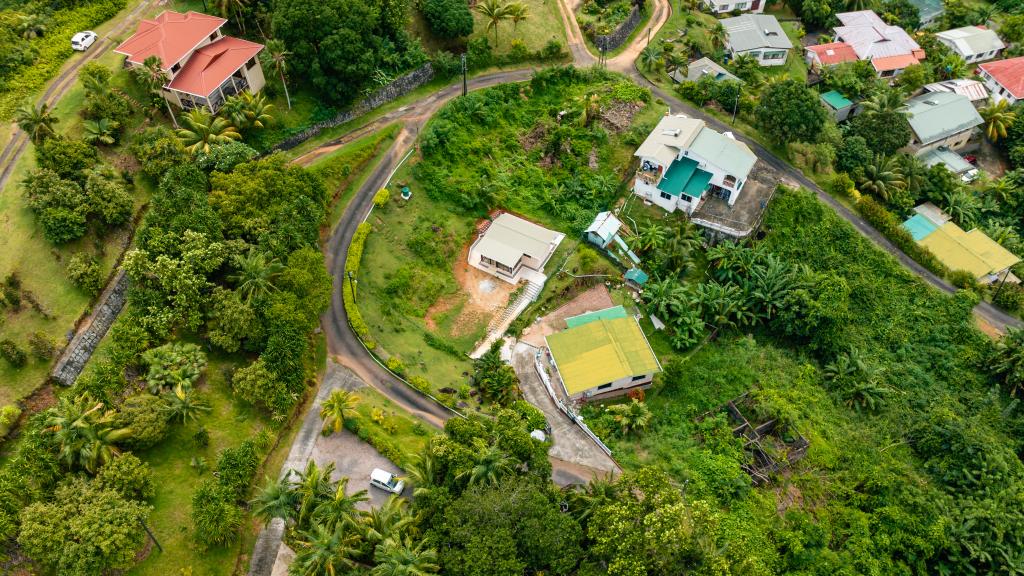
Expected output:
(601, 348)
(972, 251)
(938, 115)
(754, 31)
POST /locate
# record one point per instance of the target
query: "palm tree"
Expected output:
(102, 131)
(258, 112)
(340, 509)
(717, 36)
(85, 432)
(663, 297)
(962, 206)
(313, 487)
(389, 521)
(651, 237)
(324, 552)
(952, 66)
(278, 56)
(421, 472)
(858, 5)
(234, 110)
(490, 466)
(153, 77)
(633, 416)
(880, 177)
(32, 26)
(400, 558)
(338, 407)
(236, 9)
(650, 56)
(517, 13)
(202, 130)
(494, 11)
(1008, 360)
(184, 403)
(277, 499)
(36, 122)
(255, 274)
(771, 283)
(998, 117)
(884, 100)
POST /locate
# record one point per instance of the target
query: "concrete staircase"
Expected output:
(500, 323)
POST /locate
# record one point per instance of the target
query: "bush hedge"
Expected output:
(352, 261)
(887, 223)
(53, 50)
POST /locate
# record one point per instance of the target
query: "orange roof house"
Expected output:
(205, 67)
(830, 54)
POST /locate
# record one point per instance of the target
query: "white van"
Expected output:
(386, 481)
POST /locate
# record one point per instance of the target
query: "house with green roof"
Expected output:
(838, 106)
(602, 354)
(941, 120)
(682, 161)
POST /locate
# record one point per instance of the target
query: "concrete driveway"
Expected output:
(355, 459)
(569, 443)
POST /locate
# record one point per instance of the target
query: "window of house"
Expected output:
(605, 386)
(724, 8)
(639, 378)
(213, 36)
(666, 196)
(176, 67)
(250, 63)
(741, 6)
(486, 261)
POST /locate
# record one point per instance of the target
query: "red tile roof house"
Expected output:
(1005, 79)
(204, 65)
(823, 55)
(889, 48)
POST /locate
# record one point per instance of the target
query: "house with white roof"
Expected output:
(203, 66)
(972, 43)
(1005, 79)
(722, 6)
(941, 120)
(974, 91)
(682, 160)
(889, 48)
(757, 35)
(514, 249)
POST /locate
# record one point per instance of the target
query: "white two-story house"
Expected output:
(723, 6)
(683, 160)
(203, 65)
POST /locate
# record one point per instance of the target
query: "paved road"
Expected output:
(59, 86)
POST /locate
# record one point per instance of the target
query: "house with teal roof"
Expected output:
(682, 161)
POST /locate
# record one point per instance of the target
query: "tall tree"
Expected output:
(518, 12)
(37, 122)
(153, 78)
(880, 177)
(276, 499)
(255, 275)
(86, 432)
(998, 117)
(402, 558)
(790, 112)
(495, 12)
(278, 54)
(338, 407)
(325, 552)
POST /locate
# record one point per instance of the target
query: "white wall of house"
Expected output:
(996, 89)
(953, 142)
(616, 388)
(722, 6)
(765, 56)
(479, 261)
(979, 57)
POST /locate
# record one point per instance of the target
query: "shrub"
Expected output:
(442, 345)
(41, 345)
(257, 385)
(420, 383)
(158, 150)
(394, 363)
(145, 416)
(68, 158)
(224, 157)
(1009, 297)
(236, 468)
(13, 353)
(84, 273)
(352, 262)
(380, 199)
(128, 476)
(215, 516)
(8, 417)
(172, 364)
(448, 19)
(842, 185)
(201, 439)
(889, 226)
(964, 280)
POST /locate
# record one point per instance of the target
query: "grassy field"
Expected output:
(384, 421)
(543, 24)
(396, 319)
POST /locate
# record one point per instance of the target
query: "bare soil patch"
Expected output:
(481, 296)
(596, 298)
(619, 116)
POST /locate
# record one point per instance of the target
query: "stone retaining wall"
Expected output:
(79, 350)
(399, 87)
(616, 38)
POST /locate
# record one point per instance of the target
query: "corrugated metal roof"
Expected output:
(919, 227)
(672, 134)
(1008, 73)
(937, 115)
(703, 67)
(728, 154)
(833, 53)
(971, 40)
(954, 162)
(972, 89)
(836, 100)
(601, 352)
(972, 251)
(753, 31)
(509, 238)
(872, 38)
(605, 225)
(606, 314)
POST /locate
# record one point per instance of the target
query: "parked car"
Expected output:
(82, 40)
(386, 481)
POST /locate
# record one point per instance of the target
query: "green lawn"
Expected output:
(396, 320)
(543, 25)
(383, 422)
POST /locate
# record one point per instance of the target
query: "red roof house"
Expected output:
(204, 66)
(830, 54)
(1005, 79)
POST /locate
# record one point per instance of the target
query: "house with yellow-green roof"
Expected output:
(972, 251)
(602, 354)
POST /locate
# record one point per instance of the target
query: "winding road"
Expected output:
(346, 348)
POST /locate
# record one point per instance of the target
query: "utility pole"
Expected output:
(735, 105)
(352, 284)
(465, 87)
